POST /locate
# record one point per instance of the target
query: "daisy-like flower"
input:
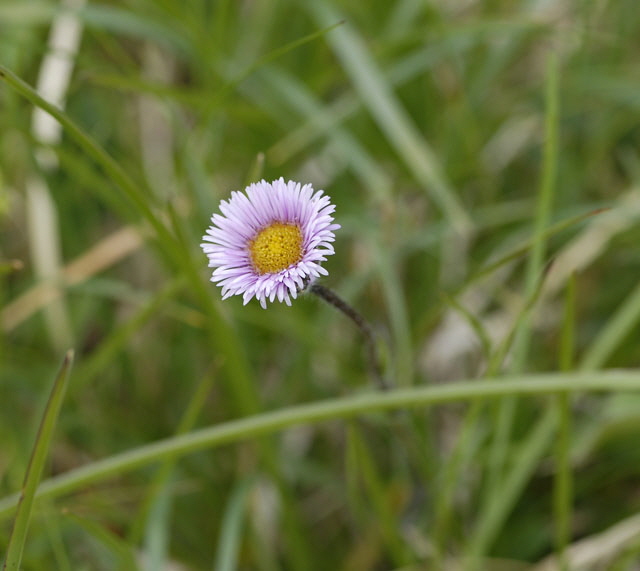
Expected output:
(270, 240)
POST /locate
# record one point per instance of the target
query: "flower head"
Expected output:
(270, 240)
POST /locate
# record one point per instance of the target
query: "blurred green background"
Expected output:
(448, 140)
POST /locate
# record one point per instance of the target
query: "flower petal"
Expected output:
(245, 214)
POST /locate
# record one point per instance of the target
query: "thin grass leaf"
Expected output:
(563, 480)
(157, 536)
(123, 552)
(505, 408)
(137, 198)
(601, 550)
(373, 177)
(279, 52)
(229, 541)
(526, 246)
(128, 23)
(452, 476)
(376, 498)
(391, 116)
(525, 460)
(203, 100)
(614, 332)
(352, 475)
(474, 323)
(154, 515)
(330, 409)
(467, 441)
(120, 336)
(54, 531)
(190, 97)
(543, 207)
(36, 465)
(234, 79)
(389, 275)
(162, 477)
(520, 348)
(568, 332)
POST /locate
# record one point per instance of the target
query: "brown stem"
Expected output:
(369, 335)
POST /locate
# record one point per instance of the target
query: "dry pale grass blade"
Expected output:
(597, 552)
(157, 141)
(42, 216)
(454, 342)
(56, 69)
(104, 254)
(45, 253)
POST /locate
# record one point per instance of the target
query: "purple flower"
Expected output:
(270, 240)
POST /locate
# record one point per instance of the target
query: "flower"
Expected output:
(270, 240)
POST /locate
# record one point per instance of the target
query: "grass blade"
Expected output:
(525, 460)
(162, 478)
(97, 153)
(543, 208)
(330, 409)
(232, 526)
(563, 480)
(376, 498)
(119, 549)
(507, 407)
(391, 116)
(35, 467)
(526, 247)
(617, 328)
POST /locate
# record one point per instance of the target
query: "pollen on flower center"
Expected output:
(276, 247)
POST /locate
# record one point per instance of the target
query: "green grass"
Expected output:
(483, 159)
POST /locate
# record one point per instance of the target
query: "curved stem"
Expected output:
(344, 407)
(369, 335)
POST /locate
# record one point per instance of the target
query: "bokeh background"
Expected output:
(445, 132)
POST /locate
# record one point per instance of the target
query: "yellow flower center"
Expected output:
(276, 247)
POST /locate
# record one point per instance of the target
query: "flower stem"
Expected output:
(369, 335)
